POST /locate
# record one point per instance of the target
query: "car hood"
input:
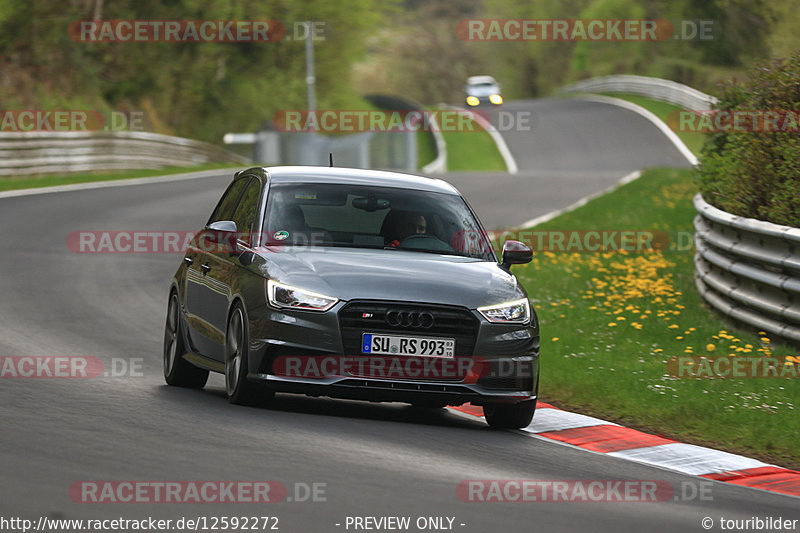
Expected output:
(356, 274)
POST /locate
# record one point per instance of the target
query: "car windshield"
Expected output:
(373, 217)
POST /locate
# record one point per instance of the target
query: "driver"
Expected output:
(412, 224)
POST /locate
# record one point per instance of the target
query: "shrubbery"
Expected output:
(756, 174)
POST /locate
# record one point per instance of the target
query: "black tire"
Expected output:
(510, 416)
(239, 389)
(179, 372)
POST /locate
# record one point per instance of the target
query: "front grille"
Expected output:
(360, 317)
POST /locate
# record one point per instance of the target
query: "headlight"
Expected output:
(286, 296)
(473, 100)
(516, 312)
(496, 99)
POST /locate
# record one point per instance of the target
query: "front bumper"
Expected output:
(492, 363)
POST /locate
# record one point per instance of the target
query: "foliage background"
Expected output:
(757, 174)
(407, 48)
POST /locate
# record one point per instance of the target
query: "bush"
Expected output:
(756, 174)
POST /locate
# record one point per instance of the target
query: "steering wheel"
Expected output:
(425, 241)
(418, 236)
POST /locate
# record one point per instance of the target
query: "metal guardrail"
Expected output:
(749, 269)
(655, 88)
(41, 152)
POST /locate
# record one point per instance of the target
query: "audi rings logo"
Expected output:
(409, 319)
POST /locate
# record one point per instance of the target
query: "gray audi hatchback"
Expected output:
(358, 284)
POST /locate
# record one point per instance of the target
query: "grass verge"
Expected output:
(426, 148)
(48, 180)
(472, 150)
(610, 321)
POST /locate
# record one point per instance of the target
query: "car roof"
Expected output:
(356, 176)
(475, 80)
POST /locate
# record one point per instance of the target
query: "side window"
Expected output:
(245, 212)
(226, 205)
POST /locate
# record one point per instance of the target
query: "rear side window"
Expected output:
(227, 203)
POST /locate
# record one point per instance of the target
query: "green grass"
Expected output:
(606, 335)
(669, 114)
(426, 148)
(472, 150)
(28, 182)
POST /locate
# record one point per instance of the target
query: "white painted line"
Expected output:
(502, 147)
(549, 419)
(689, 459)
(580, 203)
(438, 165)
(119, 183)
(657, 122)
(463, 414)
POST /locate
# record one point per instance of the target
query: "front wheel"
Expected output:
(510, 416)
(178, 371)
(239, 389)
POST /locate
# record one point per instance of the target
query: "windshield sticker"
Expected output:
(305, 195)
(281, 235)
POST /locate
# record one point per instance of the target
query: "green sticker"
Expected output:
(281, 235)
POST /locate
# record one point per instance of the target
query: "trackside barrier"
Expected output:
(749, 269)
(655, 88)
(42, 152)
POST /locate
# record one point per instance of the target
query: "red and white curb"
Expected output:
(618, 441)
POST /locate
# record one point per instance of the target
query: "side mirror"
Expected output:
(221, 235)
(515, 253)
(223, 225)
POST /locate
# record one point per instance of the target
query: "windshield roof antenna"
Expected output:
(330, 159)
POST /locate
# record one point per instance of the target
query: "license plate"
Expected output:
(378, 344)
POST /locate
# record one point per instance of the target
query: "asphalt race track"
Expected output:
(565, 150)
(373, 460)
